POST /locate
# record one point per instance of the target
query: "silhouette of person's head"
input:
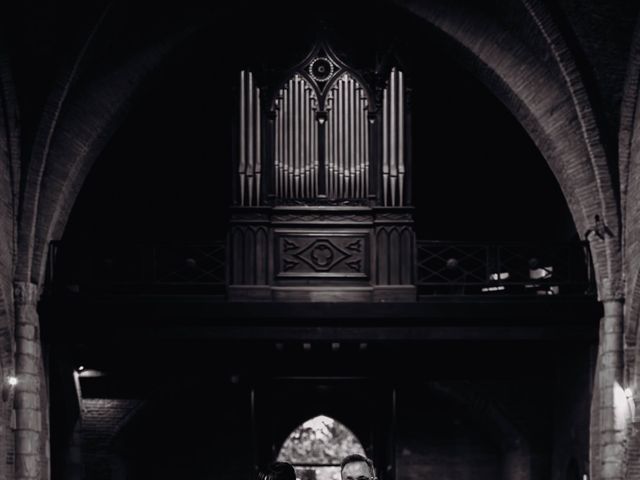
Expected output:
(277, 471)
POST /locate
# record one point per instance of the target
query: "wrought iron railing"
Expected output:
(442, 268)
(139, 268)
(468, 268)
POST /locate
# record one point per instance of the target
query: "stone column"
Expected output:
(613, 411)
(74, 465)
(31, 462)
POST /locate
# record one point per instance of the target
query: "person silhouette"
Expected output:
(277, 471)
(357, 467)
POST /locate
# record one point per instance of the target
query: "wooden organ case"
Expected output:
(322, 187)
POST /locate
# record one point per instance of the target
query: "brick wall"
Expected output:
(101, 420)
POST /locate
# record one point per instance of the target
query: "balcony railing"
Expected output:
(442, 268)
(467, 268)
(138, 268)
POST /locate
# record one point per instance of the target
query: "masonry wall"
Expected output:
(193, 436)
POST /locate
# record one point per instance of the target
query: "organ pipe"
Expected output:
(250, 160)
(393, 141)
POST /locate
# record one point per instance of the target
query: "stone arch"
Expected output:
(552, 106)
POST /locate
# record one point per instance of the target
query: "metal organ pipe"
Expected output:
(401, 168)
(289, 144)
(280, 125)
(330, 145)
(335, 147)
(250, 134)
(258, 144)
(359, 158)
(365, 141)
(393, 135)
(242, 160)
(299, 139)
(340, 139)
(249, 161)
(276, 149)
(308, 142)
(358, 144)
(314, 147)
(393, 147)
(385, 147)
(304, 143)
(350, 138)
(296, 138)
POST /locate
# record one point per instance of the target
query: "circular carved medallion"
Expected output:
(321, 69)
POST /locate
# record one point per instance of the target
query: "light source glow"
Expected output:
(13, 381)
(623, 407)
(499, 276)
(493, 289)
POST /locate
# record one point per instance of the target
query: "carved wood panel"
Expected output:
(328, 255)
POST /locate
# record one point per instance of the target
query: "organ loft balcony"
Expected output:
(339, 187)
(443, 269)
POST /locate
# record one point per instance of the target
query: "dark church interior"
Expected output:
(165, 362)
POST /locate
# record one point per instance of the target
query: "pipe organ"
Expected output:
(322, 208)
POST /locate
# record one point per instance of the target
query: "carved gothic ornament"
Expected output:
(393, 217)
(315, 217)
(316, 255)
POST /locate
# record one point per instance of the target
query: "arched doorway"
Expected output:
(317, 446)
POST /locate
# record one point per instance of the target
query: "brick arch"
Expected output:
(629, 166)
(78, 129)
(514, 444)
(9, 188)
(552, 106)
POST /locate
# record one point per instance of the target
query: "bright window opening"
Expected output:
(317, 447)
